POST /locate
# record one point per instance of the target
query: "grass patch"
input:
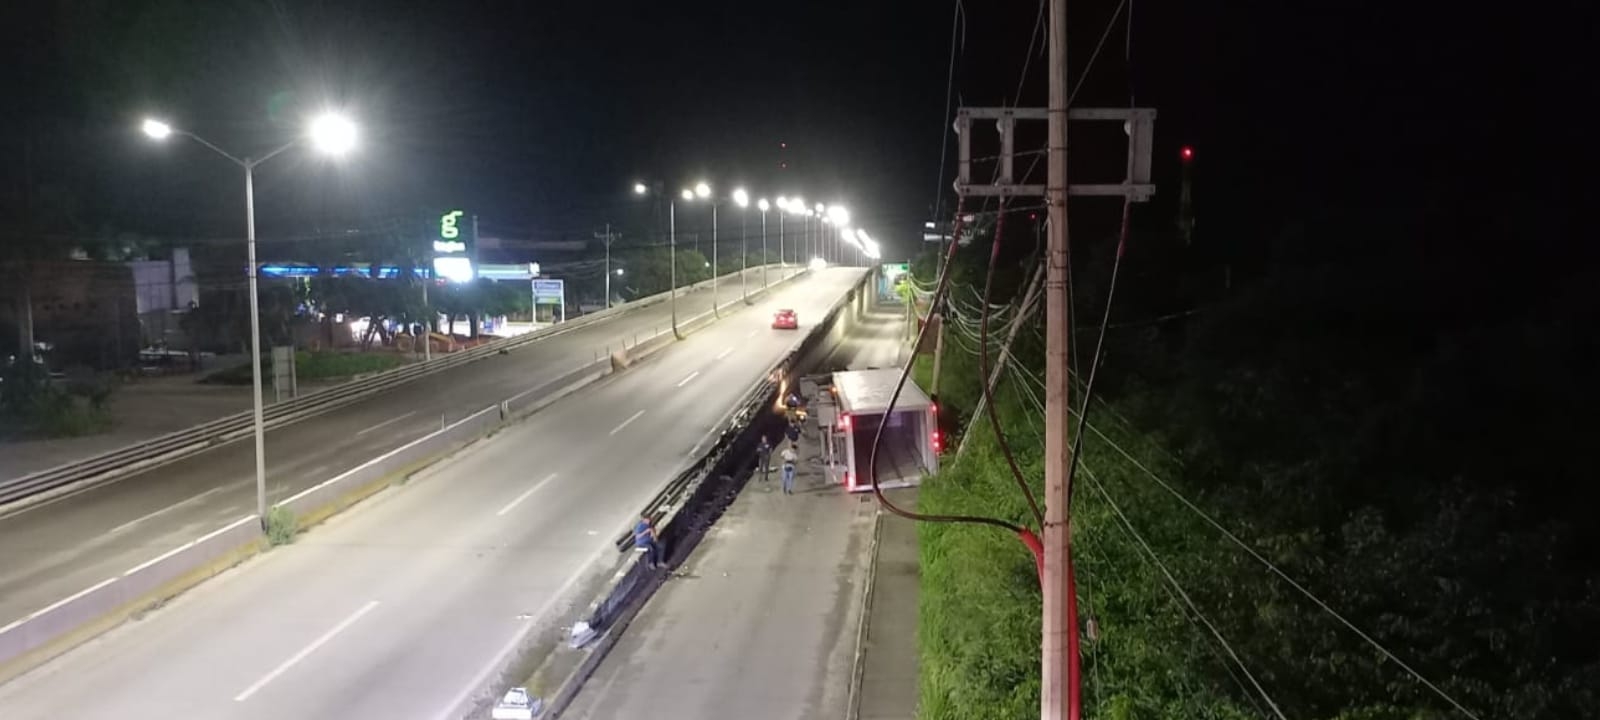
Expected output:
(325, 365)
(281, 526)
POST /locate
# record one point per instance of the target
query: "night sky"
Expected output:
(538, 116)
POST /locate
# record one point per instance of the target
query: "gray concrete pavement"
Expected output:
(763, 620)
(50, 551)
(398, 607)
(889, 665)
(760, 623)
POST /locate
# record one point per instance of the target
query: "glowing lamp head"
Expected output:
(640, 189)
(333, 134)
(1187, 153)
(688, 194)
(763, 205)
(741, 198)
(155, 129)
(702, 190)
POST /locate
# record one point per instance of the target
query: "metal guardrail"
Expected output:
(177, 445)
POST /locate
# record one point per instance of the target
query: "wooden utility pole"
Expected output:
(1058, 696)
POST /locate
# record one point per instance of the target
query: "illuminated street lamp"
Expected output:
(702, 191)
(330, 134)
(672, 246)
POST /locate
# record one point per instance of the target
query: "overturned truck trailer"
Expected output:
(860, 405)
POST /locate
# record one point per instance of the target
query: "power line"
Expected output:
(1172, 582)
(1285, 577)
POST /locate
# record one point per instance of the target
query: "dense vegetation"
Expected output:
(1396, 435)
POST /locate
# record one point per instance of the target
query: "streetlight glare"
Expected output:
(640, 189)
(763, 205)
(702, 190)
(840, 215)
(333, 134)
(821, 208)
(783, 203)
(619, 271)
(741, 198)
(156, 129)
(688, 194)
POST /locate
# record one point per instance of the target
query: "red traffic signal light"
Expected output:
(1186, 153)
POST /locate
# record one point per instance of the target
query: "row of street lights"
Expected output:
(824, 216)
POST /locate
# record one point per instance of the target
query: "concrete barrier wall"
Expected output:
(63, 625)
(75, 619)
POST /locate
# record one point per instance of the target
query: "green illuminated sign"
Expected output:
(450, 233)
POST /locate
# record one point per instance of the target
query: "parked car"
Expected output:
(785, 320)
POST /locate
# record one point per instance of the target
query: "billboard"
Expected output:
(549, 292)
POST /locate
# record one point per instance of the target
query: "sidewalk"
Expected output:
(761, 622)
(888, 661)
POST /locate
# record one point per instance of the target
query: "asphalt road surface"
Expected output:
(50, 551)
(400, 607)
(762, 620)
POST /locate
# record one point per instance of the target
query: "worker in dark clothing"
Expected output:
(764, 458)
(644, 536)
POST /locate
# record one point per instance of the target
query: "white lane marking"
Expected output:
(524, 495)
(306, 651)
(627, 422)
(725, 353)
(390, 421)
(686, 380)
(163, 511)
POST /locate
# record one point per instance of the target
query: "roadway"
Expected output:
(762, 620)
(52, 550)
(403, 606)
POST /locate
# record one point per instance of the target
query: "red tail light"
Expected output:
(844, 422)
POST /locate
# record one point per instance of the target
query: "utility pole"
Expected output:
(715, 312)
(1059, 696)
(608, 264)
(1059, 693)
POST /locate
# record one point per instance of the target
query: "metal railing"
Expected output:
(177, 445)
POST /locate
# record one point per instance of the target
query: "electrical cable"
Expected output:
(1110, 25)
(1172, 581)
(1099, 346)
(1274, 569)
(983, 373)
(949, 89)
(877, 438)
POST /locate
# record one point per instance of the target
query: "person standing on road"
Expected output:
(791, 454)
(764, 458)
(644, 536)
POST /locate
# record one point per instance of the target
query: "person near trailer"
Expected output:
(791, 455)
(764, 458)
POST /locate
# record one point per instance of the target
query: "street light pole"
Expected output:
(332, 134)
(715, 310)
(255, 342)
(608, 265)
(672, 258)
(763, 205)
